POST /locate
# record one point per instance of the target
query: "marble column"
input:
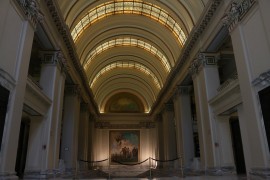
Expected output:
(91, 136)
(52, 80)
(184, 131)
(169, 135)
(205, 76)
(249, 28)
(16, 38)
(71, 116)
(160, 139)
(83, 136)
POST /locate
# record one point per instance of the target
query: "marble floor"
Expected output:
(186, 178)
(230, 177)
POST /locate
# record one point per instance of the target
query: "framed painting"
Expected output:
(124, 146)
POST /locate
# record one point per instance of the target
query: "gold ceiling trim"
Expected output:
(129, 7)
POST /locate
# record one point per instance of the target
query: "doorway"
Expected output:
(237, 146)
(22, 147)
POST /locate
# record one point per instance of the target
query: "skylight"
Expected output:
(129, 7)
(127, 41)
(127, 64)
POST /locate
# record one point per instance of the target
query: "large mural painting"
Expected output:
(124, 146)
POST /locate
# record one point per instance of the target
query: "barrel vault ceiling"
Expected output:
(129, 46)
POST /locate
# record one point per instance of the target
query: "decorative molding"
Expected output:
(203, 60)
(183, 90)
(54, 58)
(192, 40)
(73, 89)
(32, 11)
(64, 31)
(141, 125)
(236, 13)
(228, 82)
(6, 80)
(262, 173)
(263, 80)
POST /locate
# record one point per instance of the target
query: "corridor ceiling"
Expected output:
(129, 46)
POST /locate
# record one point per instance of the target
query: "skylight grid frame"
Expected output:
(130, 7)
(127, 64)
(127, 41)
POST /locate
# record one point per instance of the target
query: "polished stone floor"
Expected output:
(186, 178)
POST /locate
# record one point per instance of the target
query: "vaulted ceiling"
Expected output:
(129, 46)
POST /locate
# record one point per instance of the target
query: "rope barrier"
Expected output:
(94, 161)
(165, 160)
(130, 164)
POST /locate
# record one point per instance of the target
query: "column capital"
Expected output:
(203, 60)
(32, 11)
(56, 58)
(236, 13)
(6, 80)
(73, 89)
(183, 90)
(263, 80)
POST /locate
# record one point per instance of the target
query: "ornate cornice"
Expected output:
(197, 31)
(183, 90)
(54, 58)
(263, 80)
(73, 89)
(203, 60)
(228, 82)
(108, 125)
(64, 31)
(32, 11)
(236, 13)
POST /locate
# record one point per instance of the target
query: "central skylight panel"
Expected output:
(127, 41)
(130, 65)
(129, 7)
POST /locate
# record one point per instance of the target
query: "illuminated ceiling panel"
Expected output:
(129, 7)
(127, 41)
(130, 65)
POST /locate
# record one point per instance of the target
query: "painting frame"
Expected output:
(124, 146)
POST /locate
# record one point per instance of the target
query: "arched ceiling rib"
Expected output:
(127, 41)
(136, 7)
(162, 41)
(132, 54)
(129, 45)
(118, 91)
(127, 65)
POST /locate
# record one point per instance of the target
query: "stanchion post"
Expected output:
(181, 164)
(109, 169)
(150, 175)
(76, 169)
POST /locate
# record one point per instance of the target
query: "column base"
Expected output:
(8, 176)
(220, 171)
(43, 174)
(259, 173)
